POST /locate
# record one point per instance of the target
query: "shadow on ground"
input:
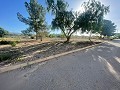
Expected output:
(33, 52)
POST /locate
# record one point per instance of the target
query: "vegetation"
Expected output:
(64, 19)
(27, 32)
(5, 56)
(3, 32)
(92, 17)
(4, 42)
(90, 20)
(68, 22)
(36, 19)
(108, 28)
(117, 35)
(13, 43)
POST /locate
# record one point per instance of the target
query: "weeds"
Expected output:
(5, 56)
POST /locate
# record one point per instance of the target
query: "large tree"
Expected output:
(64, 19)
(92, 17)
(36, 19)
(108, 28)
(3, 32)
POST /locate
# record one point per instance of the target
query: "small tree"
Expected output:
(64, 19)
(36, 19)
(108, 28)
(3, 32)
(93, 16)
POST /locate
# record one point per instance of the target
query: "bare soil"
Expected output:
(29, 51)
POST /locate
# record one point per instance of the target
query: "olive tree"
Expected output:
(92, 17)
(64, 18)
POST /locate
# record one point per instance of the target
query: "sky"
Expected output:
(9, 9)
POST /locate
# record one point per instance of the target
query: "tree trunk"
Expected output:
(68, 39)
(41, 38)
(36, 36)
(90, 37)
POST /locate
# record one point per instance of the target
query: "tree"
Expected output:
(36, 19)
(3, 32)
(108, 28)
(92, 17)
(64, 19)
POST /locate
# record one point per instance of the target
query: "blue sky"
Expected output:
(9, 8)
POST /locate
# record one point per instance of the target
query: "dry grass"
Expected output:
(29, 42)
(32, 49)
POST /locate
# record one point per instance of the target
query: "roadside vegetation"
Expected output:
(37, 41)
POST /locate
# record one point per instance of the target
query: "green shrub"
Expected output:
(61, 36)
(17, 41)
(4, 57)
(119, 37)
(13, 43)
(32, 37)
(3, 42)
(52, 36)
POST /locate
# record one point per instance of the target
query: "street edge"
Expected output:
(13, 67)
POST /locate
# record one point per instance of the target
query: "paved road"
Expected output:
(93, 69)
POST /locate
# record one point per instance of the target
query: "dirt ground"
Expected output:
(31, 50)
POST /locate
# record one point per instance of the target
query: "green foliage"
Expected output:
(32, 37)
(4, 42)
(36, 19)
(52, 35)
(68, 22)
(56, 6)
(13, 43)
(56, 36)
(64, 19)
(108, 28)
(3, 32)
(61, 35)
(92, 17)
(5, 56)
(117, 35)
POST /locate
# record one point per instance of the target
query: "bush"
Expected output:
(118, 36)
(3, 42)
(52, 35)
(4, 57)
(61, 36)
(13, 43)
(17, 41)
(32, 37)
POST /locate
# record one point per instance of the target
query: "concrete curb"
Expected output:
(13, 67)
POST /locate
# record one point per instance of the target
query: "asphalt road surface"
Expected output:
(92, 69)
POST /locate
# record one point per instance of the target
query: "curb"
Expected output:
(13, 67)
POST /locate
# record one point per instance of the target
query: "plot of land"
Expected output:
(32, 50)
